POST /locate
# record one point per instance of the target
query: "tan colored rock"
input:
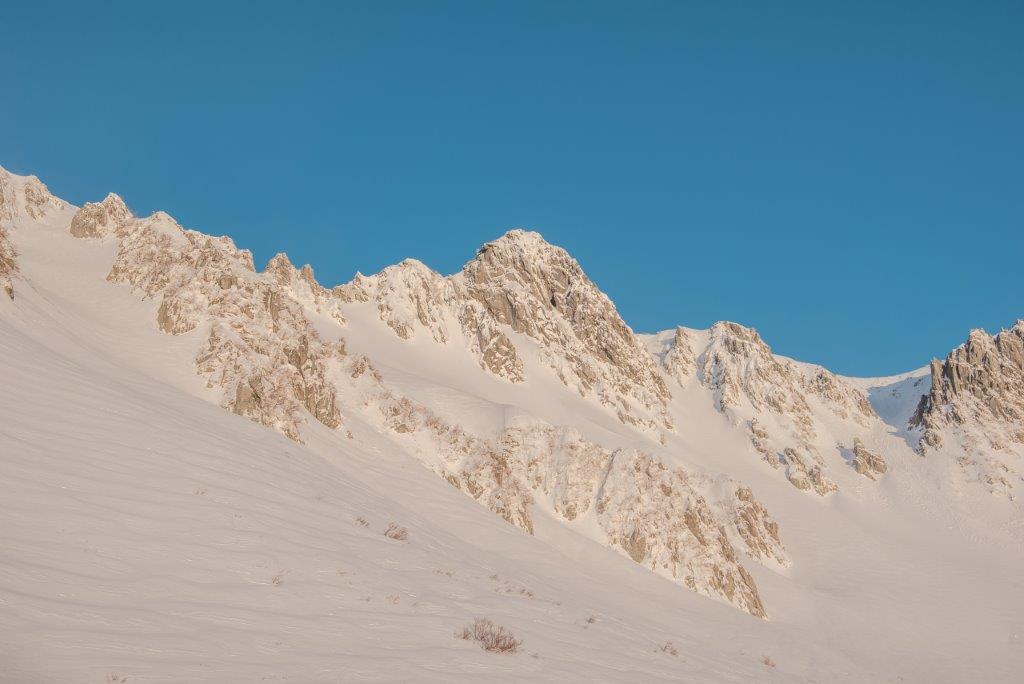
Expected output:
(806, 475)
(654, 513)
(867, 463)
(8, 263)
(96, 220)
(976, 402)
(519, 283)
(680, 360)
(261, 352)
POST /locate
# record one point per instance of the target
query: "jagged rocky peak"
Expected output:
(99, 219)
(281, 269)
(408, 295)
(975, 408)
(520, 283)
(539, 290)
(25, 196)
(740, 368)
(21, 197)
(979, 386)
(260, 353)
(680, 360)
(776, 399)
(739, 365)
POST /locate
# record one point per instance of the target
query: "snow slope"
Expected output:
(146, 534)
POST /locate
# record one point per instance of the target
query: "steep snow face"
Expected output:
(975, 409)
(521, 284)
(778, 402)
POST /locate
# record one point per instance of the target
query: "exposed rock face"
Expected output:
(38, 202)
(977, 401)
(109, 217)
(8, 263)
(520, 283)
(19, 197)
(759, 532)
(8, 196)
(680, 360)
(261, 351)
(657, 515)
(842, 398)
(539, 290)
(805, 476)
(771, 396)
(408, 296)
(867, 463)
(25, 196)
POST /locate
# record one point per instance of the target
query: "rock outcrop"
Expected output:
(8, 263)
(976, 407)
(100, 219)
(661, 517)
(866, 462)
(21, 197)
(773, 397)
(538, 290)
(260, 351)
(679, 360)
(521, 284)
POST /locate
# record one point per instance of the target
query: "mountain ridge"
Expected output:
(699, 456)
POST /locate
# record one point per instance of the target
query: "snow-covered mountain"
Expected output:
(685, 504)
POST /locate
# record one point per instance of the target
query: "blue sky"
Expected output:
(846, 177)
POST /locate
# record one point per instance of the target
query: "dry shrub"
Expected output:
(362, 521)
(768, 661)
(490, 636)
(396, 532)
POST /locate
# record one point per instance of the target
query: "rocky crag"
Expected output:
(975, 407)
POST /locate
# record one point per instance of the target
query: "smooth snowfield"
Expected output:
(148, 535)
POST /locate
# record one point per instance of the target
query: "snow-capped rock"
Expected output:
(539, 290)
(521, 284)
(8, 265)
(663, 518)
(20, 196)
(976, 408)
(261, 353)
(866, 462)
(99, 219)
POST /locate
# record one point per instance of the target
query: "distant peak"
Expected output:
(735, 330)
(520, 238)
(278, 261)
(281, 269)
(113, 198)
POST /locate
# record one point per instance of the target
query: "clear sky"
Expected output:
(846, 177)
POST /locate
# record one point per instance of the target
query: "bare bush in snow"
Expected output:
(395, 532)
(491, 637)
